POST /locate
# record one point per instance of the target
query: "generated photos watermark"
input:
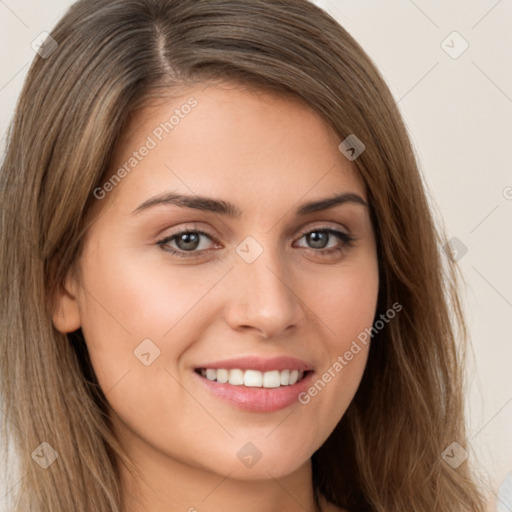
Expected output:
(152, 141)
(343, 360)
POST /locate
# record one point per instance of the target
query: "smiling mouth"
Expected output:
(253, 378)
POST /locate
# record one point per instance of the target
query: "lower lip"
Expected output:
(258, 399)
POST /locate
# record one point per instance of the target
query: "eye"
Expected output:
(323, 238)
(187, 241)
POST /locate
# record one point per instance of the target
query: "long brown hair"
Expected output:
(385, 454)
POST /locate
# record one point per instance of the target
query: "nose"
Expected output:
(263, 298)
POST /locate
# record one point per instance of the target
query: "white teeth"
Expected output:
(211, 374)
(271, 379)
(222, 376)
(254, 378)
(236, 377)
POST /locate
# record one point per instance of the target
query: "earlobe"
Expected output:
(66, 313)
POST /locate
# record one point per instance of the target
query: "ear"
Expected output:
(66, 312)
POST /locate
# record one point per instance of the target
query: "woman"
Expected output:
(225, 287)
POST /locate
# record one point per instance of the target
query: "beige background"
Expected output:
(459, 112)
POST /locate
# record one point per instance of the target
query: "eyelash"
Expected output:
(346, 239)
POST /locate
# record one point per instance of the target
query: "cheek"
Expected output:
(135, 297)
(345, 304)
(132, 307)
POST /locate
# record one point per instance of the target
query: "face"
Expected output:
(237, 246)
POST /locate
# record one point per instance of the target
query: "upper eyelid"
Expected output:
(301, 232)
(309, 226)
(324, 227)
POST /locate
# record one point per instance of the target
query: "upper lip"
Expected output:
(259, 363)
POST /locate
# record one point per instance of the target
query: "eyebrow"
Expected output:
(209, 204)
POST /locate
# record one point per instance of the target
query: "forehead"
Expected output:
(230, 140)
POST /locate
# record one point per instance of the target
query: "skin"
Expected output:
(268, 155)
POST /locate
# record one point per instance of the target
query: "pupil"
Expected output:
(318, 240)
(188, 241)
